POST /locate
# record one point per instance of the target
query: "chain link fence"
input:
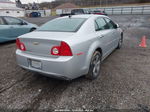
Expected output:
(145, 9)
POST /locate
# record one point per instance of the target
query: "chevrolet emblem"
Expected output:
(35, 43)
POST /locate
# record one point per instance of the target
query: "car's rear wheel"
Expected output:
(120, 42)
(95, 66)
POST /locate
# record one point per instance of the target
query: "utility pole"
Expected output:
(38, 1)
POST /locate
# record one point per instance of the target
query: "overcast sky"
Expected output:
(31, 1)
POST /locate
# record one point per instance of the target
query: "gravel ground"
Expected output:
(124, 83)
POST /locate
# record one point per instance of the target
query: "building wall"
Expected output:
(14, 13)
(7, 5)
(10, 9)
(63, 11)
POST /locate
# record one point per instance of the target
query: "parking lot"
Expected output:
(124, 82)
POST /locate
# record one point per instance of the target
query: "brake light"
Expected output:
(62, 50)
(20, 45)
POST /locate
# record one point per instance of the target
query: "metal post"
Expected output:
(131, 10)
(143, 10)
(99, 3)
(121, 10)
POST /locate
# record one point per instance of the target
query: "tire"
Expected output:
(120, 42)
(32, 29)
(95, 66)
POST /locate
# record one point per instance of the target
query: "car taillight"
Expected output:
(20, 45)
(55, 50)
(62, 50)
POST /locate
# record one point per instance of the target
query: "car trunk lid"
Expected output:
(41, 43)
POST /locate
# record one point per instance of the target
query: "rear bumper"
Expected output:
(62, 67)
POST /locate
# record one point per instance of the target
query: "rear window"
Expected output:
(63, 25)
(1, 21)
(77, 11)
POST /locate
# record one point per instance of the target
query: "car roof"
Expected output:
(8, 16)
(85, 16)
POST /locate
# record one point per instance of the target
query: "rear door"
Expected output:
(104, 34)
(17, 26)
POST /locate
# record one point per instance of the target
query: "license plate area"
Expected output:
(35, 64)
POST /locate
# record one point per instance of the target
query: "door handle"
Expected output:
(101, 36)
(11, 27)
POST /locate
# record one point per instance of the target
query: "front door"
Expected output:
(115, 34)
(5, 31)
(17, 26)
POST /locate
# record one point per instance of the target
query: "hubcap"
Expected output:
(96, 63)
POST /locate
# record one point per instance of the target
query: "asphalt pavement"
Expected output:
(124, 83)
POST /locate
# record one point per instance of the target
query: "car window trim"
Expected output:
(3, 20)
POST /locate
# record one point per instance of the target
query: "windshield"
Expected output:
(63, 25)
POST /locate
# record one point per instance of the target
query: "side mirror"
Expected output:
(23, 23)
(96, 29)
(116, 26)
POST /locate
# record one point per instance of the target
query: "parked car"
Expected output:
(69, 47)
(76, 12)
(64, 14)
(99, 12)
(35, 14)
(11, 28)
(79, 11)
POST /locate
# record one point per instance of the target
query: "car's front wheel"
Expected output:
(120, 43)
(95, 66)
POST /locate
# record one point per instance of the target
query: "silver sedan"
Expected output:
(69, 47)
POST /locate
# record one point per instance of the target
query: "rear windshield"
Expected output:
(63, 25)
